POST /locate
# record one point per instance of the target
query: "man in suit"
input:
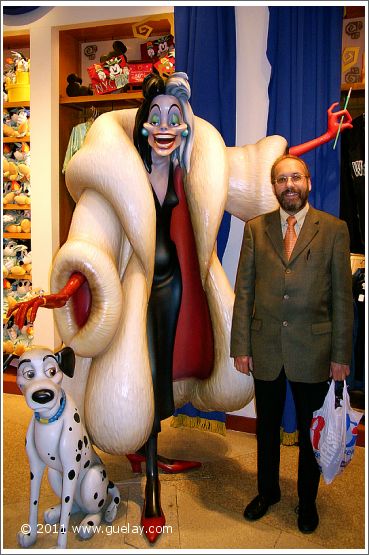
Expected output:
(292, 321)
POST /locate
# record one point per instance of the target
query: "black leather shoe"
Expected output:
(258, 507)
(308, 518)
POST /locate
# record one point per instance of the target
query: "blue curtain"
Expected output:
(205, 39)
(304, 51)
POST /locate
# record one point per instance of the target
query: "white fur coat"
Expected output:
(112, 242)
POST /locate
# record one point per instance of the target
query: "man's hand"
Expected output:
(339, 372)
(244, 364)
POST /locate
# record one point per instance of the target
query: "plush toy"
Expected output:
(25, 260)
(17, 222)
(9, 254)
(21, 153)
(8, 194)
(75, 87)
(16, 122)
(10, 169)
(22, 198)
(9, 131)
(119, 49)
(24, 172)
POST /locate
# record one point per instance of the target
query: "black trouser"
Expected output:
(270, 398)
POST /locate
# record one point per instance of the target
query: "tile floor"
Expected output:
(203, 507)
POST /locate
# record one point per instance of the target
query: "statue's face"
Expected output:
(165, 124)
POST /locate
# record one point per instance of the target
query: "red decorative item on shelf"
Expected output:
(115, 74)
(155, 49)
(138, 72)
(109, 76)
(166, 65)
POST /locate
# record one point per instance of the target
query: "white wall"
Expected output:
(253, 72)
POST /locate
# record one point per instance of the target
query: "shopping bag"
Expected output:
(333, 433)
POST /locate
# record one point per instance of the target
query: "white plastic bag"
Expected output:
(333, 433)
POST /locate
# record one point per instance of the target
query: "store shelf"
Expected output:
(10, 382)
(353, 86)
(25, 276)
(97, 99)
(19, 104)
(26, 139)
(16, 206)
(7, 235)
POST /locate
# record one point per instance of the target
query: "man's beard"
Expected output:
(295, 204)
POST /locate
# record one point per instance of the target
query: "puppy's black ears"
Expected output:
(66, 360)
(10, 360)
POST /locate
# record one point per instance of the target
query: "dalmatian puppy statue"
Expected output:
(56, 438)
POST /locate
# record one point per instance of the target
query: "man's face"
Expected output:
(291, 186)
(165, 124)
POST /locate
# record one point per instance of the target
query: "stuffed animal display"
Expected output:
(119, 49)
(75, 87)
(16, 122)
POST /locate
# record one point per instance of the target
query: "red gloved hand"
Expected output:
(27, 310)
(334, 119)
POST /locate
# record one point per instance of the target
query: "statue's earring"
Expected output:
(184, 133)
(144, 132)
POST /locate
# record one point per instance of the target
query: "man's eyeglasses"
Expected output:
(296, 178)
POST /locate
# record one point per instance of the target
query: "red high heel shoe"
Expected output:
(135, 459)
(152, 526)
(169, 466)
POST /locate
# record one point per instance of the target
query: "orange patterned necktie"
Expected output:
(291, 237)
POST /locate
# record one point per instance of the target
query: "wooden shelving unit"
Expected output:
(18, 41)
(72, 109)
(26, 139)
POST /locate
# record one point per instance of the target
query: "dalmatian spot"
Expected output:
(32, 476)
(70, 428)
(85, 440)
(87, 464)
(96, 495)
(101, 502)
(35, 502)
(76, 417)
(71, 475)
(90, 523)
(78, 457)
(110, 485)
(104, 473)
(52, 458)
(80, 444)
(116, 500)
(67, 499)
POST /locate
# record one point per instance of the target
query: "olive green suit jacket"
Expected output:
(297, 313)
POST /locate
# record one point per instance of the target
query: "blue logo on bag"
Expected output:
(351, 431)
